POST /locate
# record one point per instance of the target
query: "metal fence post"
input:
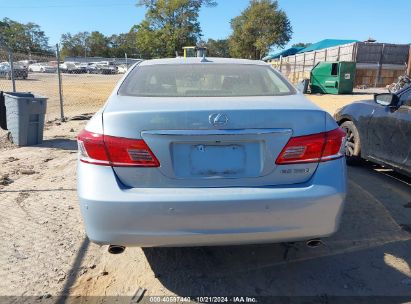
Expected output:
(295, 65)
(304, 65)
(354, 52)
(60, 83)
(13, 80)
(281, 63)
(380, 62)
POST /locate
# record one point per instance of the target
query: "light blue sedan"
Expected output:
(195, 151)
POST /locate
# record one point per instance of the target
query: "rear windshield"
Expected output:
(204, 80)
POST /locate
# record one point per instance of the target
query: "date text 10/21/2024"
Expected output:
(202, 299)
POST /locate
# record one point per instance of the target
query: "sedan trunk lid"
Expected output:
(214, 142)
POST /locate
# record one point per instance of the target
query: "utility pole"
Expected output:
(13, 80)
(28, 49)
(60, 84)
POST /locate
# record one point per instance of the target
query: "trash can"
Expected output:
(3, 116)
(333, 77)
(25, 117)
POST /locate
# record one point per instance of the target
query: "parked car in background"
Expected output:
(20, 72)
(91, 68)
(106, 67)
(82, 67)
(209, 152)
(379, 130)
(53, 63)
(122, 68)
(42, 67)
(26, 63)
(71, 68)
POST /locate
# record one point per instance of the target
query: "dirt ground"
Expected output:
(45, 255)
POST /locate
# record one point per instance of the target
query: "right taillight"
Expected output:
(107, 150)
(313, 148)
(334, 146)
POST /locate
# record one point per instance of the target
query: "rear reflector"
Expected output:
(107, 150)
(313, 148)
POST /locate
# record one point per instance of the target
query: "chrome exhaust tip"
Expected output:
(314, 243)
(116, 249)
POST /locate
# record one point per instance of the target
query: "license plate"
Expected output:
(209, 160)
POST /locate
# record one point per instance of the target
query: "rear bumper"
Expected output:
(209, 216)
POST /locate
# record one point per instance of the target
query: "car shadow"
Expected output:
(386, 172)
(369, 236)
(367, 92)
(59, 143)
(27, 79)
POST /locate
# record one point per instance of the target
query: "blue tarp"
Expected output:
(326, 43)
(284, 53)
(323, 44)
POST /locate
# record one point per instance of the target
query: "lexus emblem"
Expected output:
(218, 119)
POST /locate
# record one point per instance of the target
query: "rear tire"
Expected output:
(352, 144)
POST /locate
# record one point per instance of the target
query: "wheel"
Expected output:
(352, 143)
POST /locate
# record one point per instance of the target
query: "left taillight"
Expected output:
(99, 149)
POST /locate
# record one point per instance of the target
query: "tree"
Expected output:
(98, 45)
(217, 48)
(22, 37)
(85, 44)
(301, 44)
(168, 26)
(261, 26)
(75, 45)
(124, 43)
(95, 44)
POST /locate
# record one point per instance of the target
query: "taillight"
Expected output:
(107, 150)
(129, 152)
(313, 148)
(91, 148)
(334, 146)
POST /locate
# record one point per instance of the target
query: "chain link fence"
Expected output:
(5, 81)
(72, 87)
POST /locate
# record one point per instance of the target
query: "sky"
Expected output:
(312, 20)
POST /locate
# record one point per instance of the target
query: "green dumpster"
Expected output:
(333, 77)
